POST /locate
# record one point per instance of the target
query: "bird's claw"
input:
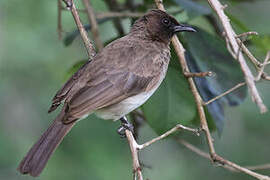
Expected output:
(125, 125)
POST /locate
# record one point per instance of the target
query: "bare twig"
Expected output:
(198, 151)
(171, 131)
(266, 61)
(199, 74)
(240, 168)
(249, 55)
(259, 167)
(134, 153)
(245, 34)
(256, 63)
(87, 43)
(265, 76)
(207, 156)
(92, 20)
(225, 93)
(219, 9)
(228, 45)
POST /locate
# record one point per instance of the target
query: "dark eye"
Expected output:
(166, 22)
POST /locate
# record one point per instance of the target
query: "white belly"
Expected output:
(119, 110)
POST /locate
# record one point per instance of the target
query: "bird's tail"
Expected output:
(35, 160)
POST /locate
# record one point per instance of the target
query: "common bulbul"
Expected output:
(118, 80)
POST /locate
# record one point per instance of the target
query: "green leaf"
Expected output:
(171, 104)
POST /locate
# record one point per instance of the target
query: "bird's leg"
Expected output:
(125, 125)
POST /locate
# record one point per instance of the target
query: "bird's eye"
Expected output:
(166, 22)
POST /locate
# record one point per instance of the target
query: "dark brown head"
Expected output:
(158, 25)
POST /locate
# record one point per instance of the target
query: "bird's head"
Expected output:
(158, 25)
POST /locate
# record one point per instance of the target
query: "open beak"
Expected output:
(183, 27)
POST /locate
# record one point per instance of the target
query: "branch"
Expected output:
(207, 156)
(225, 93)
(230, 34)
(171, 131)
(198, 74)
(92, 20)
(255, 62)
(87, 43)
(265, 76)
(137, 172)
(266, 62)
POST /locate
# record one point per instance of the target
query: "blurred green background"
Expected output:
(34, 65)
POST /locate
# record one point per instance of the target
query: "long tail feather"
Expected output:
(37, 157)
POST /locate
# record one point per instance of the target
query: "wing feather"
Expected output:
(111, 77)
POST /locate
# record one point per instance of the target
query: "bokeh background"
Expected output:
(33, 66)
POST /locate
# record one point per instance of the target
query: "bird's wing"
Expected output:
(108, 92)
(110, 79)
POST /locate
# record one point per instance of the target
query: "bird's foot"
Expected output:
(125, 125)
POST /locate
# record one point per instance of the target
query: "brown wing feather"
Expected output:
(106, 93)
(111, 77)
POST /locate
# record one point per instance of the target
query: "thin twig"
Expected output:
(207, 156)
(198, 151)
(255, 62)
(171, 131)
(228, 45)
(87, 43)
(92, 20)
(259, 167)
(219, 9)
(266, 61)
(198, 74)
(225, 93)
(245, 34)
(134, 153)
(221, 160)
(265, 76)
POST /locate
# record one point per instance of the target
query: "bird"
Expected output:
(119, 79)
